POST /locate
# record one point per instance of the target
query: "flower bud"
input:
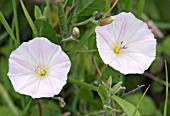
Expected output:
(75, 32)
(105, 21)
(62, 102)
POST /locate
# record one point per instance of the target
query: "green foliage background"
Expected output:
(56, 24)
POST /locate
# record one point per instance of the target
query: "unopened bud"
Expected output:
(75, 32)
(105, 21)
(62, 102)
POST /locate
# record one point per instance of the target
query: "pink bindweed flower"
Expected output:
(126, 44)
(38, 68)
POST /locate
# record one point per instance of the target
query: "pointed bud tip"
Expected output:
(105, 21)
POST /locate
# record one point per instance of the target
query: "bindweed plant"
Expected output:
(82, 57)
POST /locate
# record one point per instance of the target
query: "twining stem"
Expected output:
(114, 104)
(86, 85)
(114, 4)
(40, 109)
(96, 66)
(72, 8)
(133, 91)
(151, 76)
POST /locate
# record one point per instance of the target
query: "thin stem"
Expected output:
(133, 91)
(96, 66)
(114, 104)
(16, 21)
(91, 19)
(86, 85)
(40, 109)
(157, 79)
(87, 51)
(166, 98)
(114, 4)
(65, 3)
(72, 8)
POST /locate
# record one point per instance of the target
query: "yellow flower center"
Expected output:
(42, 72)
(119, 48)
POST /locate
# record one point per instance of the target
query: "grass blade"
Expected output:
(134, 113)
(128, 5)
(141, 5)
(7, 27)
(34, 29)
(16, 21)
(166, 99)
(8, 100)
(27, 108)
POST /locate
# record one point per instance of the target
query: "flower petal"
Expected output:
(40, 54)
(122, 64)
(130, 28)
(147, 47)
(134, 36)
(59, 65)
(105, 34)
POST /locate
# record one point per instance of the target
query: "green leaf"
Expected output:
(62, 20)
(157, 65)
(116, 76)
(5, 111)
(51, 110)
(157, 87)
(102, 93)
(85, 94)
(126, 106)
(147, 106)
(116, 87)
(46, 30)
(87, 7)
(37, 12)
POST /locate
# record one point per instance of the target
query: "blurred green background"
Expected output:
(154, 12)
